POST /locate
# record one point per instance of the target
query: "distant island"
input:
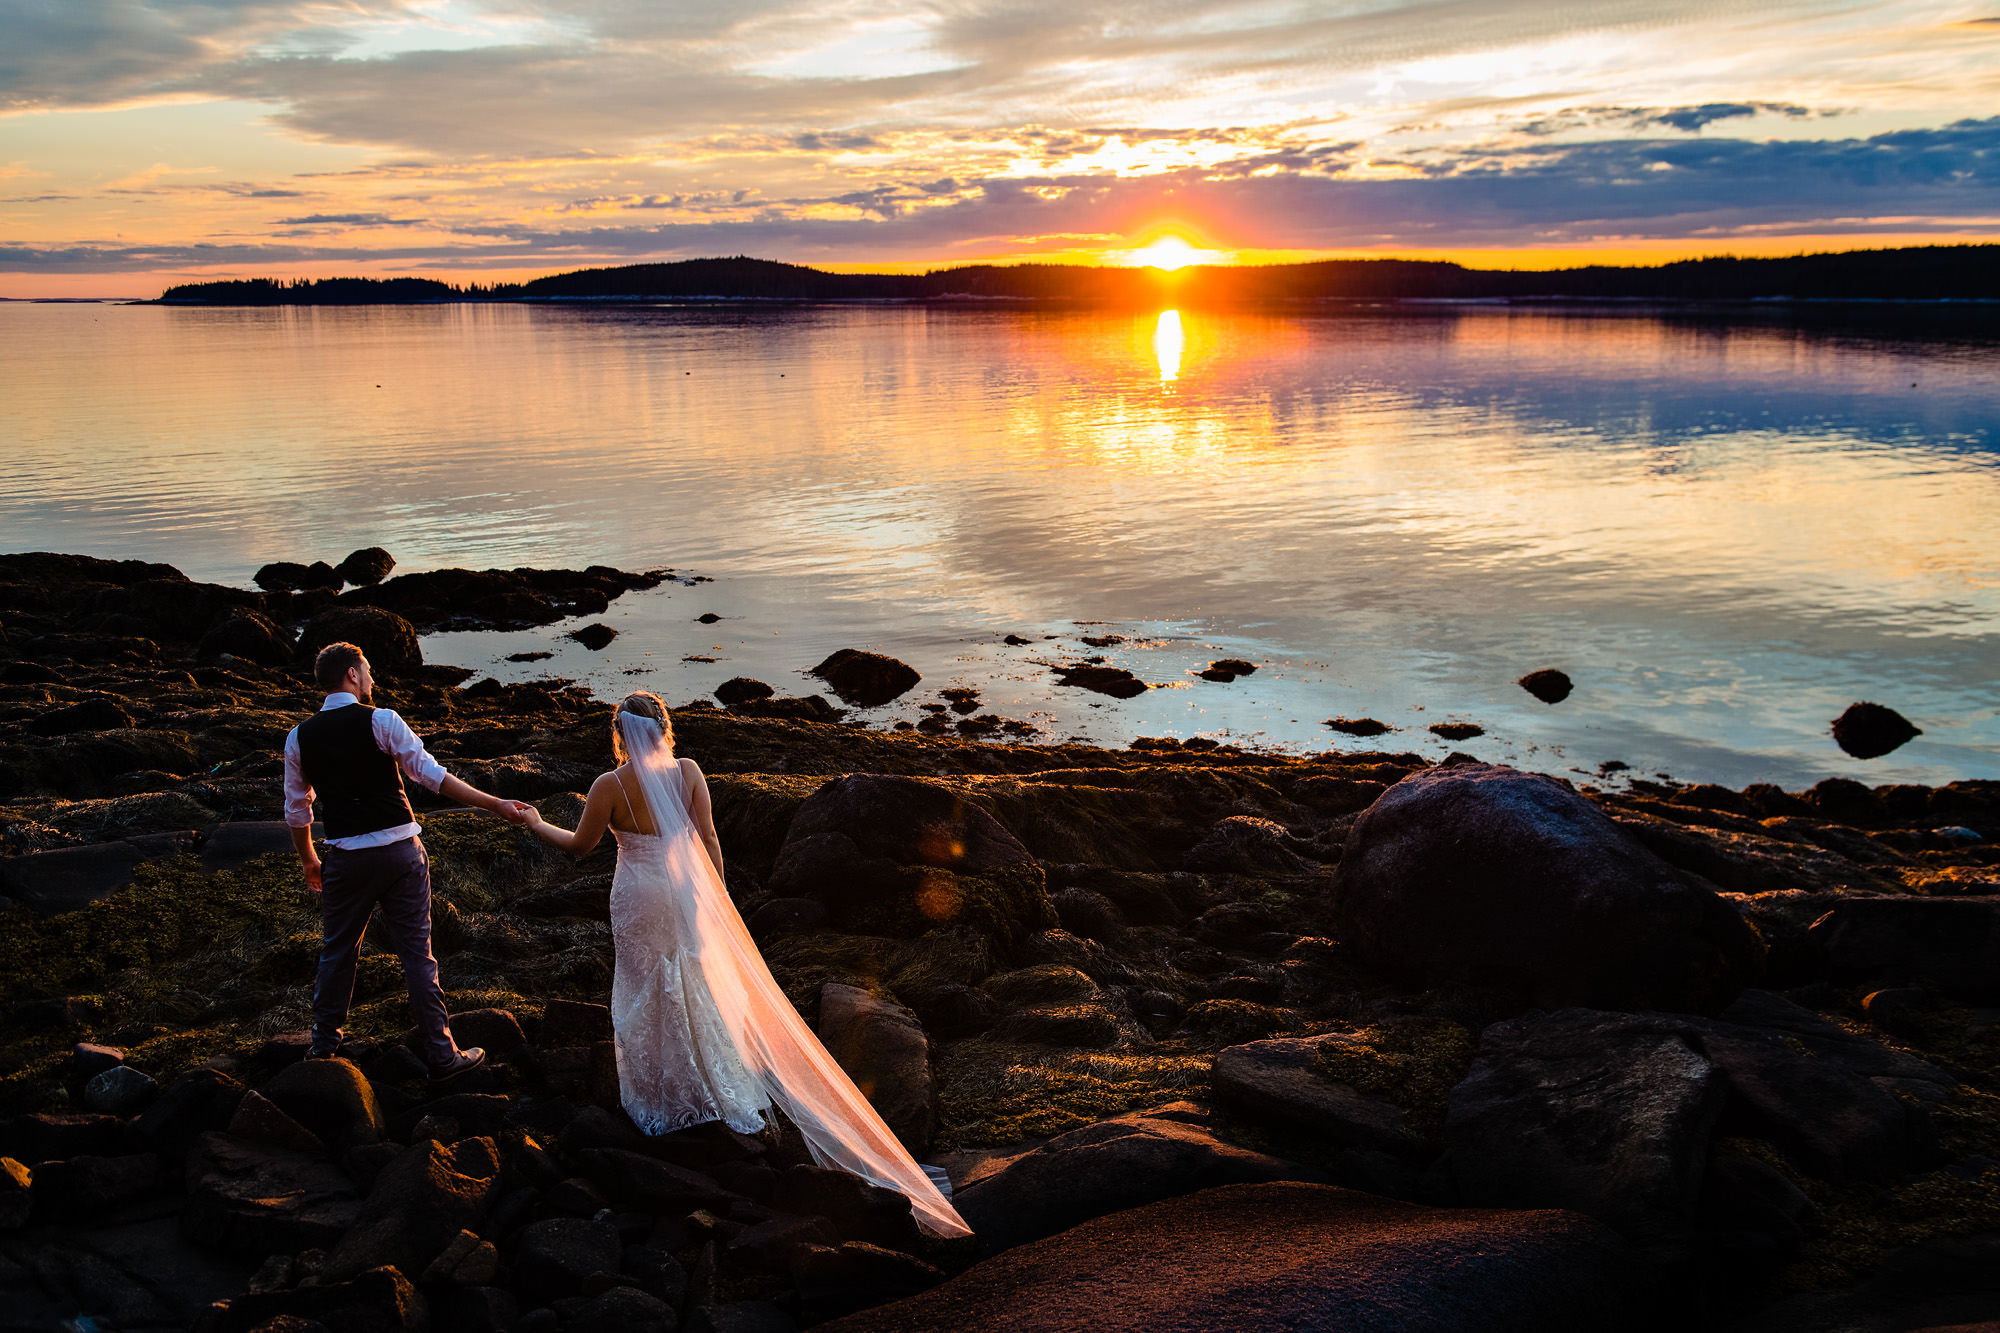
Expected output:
(1917, 273)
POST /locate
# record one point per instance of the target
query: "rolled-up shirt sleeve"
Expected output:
(394, 737)
(298, 792)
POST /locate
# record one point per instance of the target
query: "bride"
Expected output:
(703, 1031)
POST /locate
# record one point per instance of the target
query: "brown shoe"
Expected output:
(468, 1059)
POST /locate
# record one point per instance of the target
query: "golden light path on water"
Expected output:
(1725, 529)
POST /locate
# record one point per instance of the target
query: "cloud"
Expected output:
(349, 220)
(1693, 118)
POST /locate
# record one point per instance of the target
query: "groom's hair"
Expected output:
(333, 663)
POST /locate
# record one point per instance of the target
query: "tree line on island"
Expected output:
(1957, 272)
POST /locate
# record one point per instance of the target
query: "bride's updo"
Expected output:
(642, 703)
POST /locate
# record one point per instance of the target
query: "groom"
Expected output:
(354, 758)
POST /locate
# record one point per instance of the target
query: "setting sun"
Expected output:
(1171, 252)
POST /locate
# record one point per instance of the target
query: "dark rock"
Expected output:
(250, 636)
(1090, 1026)
(882, 1047)
(88, 1189)
(516, 599)
(319, 574)
(1114, 681)
(281, 576)
(48, 1137)
(1089, 914)
(952, 1009)
(645, 1182)
(388, 640)
(1951, 943)
(1869, 731)
(120, 1090)
(1233, 924)
(594, 637)
(811, 708)
(250, 1199)
(417, 1206)
(258, 1120)
(836, 1281)
(1456, 731)
(380, 1301)
(1606, 1114)
(1277, 1078)
(332, 1099)
(196, 1102)
(769, 1246)
(741, 690)
(1107, 1167)
(656, 1271)
(865, 679)
(1548, 684)
(1483, 875)
(573, 1023)
(495, 1031)
(707, 618)
(787, 916)
(1338, 796)
(87, 1061)
(1742, 1194)
(527, 657)
(857, 1209)
(1898, 1010)
(1358, 726)
(621, 1310)
(1246, 845)
(366, 567)
(94, 714)
(557, 1255)
(1845, 801)
(740, 1317)
(474, 1310)
(1287, 1255)
(17, 1202)
(575, 1197)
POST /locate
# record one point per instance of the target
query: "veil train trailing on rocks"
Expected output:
(703, 1030)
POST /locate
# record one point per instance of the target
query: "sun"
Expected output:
(1170, 252)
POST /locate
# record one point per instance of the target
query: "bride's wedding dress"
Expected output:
(703, 1031)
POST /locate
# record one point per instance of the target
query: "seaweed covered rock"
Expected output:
(366, 567)
(1483, 875)
(1951, 943)
(389, 641)
(250, 635)
(865, 679)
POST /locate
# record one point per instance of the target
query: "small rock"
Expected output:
(1358, 726)
(417, 1206)
(467, 1261)
(865, 679)
(331, 1099)
(1456, 731)
(257, 1119)
(1897, 1010)
(366, 567)
(1548, 684)
(707, 618)
(594, 637)
(120, 1090)
(741, 690)
(280, 576)
(1015, 640)
(1114, 681)
(1869, 731)
(87, 1061)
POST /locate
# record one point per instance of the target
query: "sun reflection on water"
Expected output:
(1167, 343)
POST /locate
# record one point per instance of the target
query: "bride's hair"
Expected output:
(641, 703)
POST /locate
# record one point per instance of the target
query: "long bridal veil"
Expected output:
(785, 1060)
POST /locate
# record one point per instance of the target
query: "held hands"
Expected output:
(517, 812)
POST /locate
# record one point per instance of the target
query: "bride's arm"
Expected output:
(589, 829)
(702, 812)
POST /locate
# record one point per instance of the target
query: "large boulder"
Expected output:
(332, 1099)
(1286, 1255)
(419, 1203)
(388, 640)
(1483, 875)
(1606, 1114)
(1108, 1167)
(865, 679)
(1952, 943)
(882, 1047)
(899, 856)
(250, 635)
(250, 1199)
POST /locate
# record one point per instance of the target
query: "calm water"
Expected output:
(1725, 532)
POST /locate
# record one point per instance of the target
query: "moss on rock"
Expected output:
(1415, 1062)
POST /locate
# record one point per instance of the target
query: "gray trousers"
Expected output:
(396, 879)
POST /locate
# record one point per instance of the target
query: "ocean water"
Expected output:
(1724, 528)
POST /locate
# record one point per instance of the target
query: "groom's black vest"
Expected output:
(360, 788)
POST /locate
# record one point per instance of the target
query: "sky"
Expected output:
(147, 142)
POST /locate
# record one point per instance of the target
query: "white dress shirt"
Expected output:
(392, 737)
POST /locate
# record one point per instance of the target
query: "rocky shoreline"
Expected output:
(1206, 1038)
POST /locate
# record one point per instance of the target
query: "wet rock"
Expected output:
(1869, 731)
(741, 690)
(811, 708)
(121, 1091)
(366, 567)
(319, 574)
(1246, 845)
(1548, 684)
(249, 635)
(332, 1099)
(594, 637)
(388, 640)
(1277, 1078)
(417, 1206)
(1456, 731)
(557, 1255)
(1606, 1114)
(251, 1199)
(97, 713)
(281, 576)
(1950, 943)
(707, 618)
(882, 1047)
(1358, 726)
(1287, 1255)
(1483, 875)
(865, 679)
(380, 1301)
(1114, 681)
(1107, 1167)
(461, 599)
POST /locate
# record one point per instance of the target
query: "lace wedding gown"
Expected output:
(703, 1031)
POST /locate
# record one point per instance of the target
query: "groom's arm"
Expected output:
(394, 738)
(299, 810)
